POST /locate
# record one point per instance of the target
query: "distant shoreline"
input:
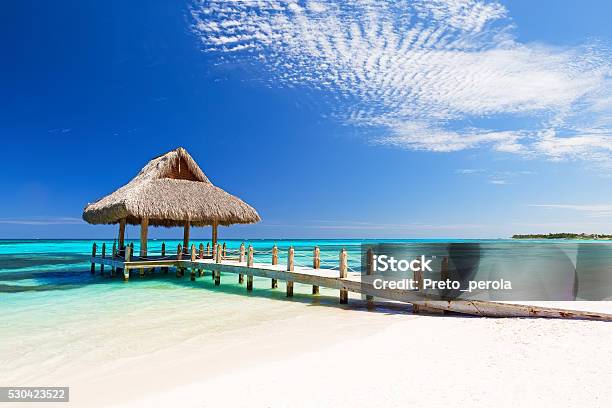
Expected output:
(564, 235)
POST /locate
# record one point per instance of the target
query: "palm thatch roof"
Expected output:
(170, 190)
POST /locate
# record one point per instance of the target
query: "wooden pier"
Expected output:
(342, 278)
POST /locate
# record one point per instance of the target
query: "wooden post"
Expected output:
(179, 256)
(419, 277)
(316, 264)
(93, 254)
(274, 255)
(201, 256)
(193, 258)
(114, 256)
(343, 272)
(213, 253)
(241, 259)
(163, 254)
(316, 258)
(290, 267)
(274, 262)
(128, 258)
(250, 257)
(122, 236)
(369, 272)
(214, 234)
(103, 256)
(218, 254)
(242, 252)
(224, 253)
(250, 265)
(217, 274)
(444, 269)
(144, 231)
(186, 235)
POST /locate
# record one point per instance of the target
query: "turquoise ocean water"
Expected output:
(55, 314)
(33, 270)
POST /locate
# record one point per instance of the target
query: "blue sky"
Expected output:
(358, 119)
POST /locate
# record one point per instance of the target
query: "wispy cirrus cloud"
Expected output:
(592, 210)
(500, 178)
(437, 75)
(42, 221)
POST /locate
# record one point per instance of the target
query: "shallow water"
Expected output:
(55, 313)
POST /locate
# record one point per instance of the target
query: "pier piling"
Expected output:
(164, 269)
(249, 265)
(93, 254)
(179, 256)
(274, 262)
(193, 258)
(343, 268)
(316, 264)
(241, 259)
(290, 268)
(201, 256)
(103, 256)
(114, 255)
(369, 272)
(217, 273)
(128, 258)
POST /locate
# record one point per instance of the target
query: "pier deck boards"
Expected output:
(354, 282)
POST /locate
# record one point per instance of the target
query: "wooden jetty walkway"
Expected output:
(342, 278)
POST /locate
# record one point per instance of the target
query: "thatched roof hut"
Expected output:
(171, 190)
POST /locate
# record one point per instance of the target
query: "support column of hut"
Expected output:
(144, 232)
(121, 241)
(121, 237)
(215, 224)
(186, 236)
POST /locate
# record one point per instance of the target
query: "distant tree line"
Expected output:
(561, 235)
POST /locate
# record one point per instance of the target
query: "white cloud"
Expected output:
(421, 70)
(592, 210)
(499, 177)
(499, 182)
(42, 221)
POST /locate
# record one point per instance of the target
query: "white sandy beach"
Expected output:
(324, 356)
